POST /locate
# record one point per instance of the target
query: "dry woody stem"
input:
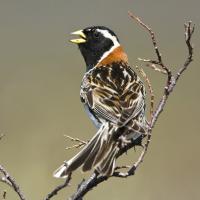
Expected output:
(158, 65)
(80, 144)
(95, 179)
(9, 180)
(58, 188)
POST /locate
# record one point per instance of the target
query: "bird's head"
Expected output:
(99, 45)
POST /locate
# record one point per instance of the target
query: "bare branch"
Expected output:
(58, 188)
(12, 183)
(4, 194)
(157, 51)
(86, 186)
(150, 89)
(80, 144)
(6, 181)
(189, 30)
(152, 64)
(75, 139)
(122, 167)
(95, 178)
(77, 146)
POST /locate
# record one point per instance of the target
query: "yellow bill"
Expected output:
(82, 36)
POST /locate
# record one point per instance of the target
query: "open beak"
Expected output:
(81, 39)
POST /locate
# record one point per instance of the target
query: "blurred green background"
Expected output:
(40, 75)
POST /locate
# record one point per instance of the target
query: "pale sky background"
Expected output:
(40, 75)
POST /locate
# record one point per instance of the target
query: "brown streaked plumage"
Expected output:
(114, 98)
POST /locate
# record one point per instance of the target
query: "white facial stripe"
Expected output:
(111, 37)
(106, 34)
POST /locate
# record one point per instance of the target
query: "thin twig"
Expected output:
(81, 143)
(150, 90)
(95, 178)
(157, 51)
(75, 139)
(77, 146)
(86, 186)
(58, 188)
(122, 167)
(189, 30)
(152, 64)
(4, 194)
(12, 184)
(3, 179)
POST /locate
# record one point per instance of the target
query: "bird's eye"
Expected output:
(96, 34)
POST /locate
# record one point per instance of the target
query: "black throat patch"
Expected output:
(92, 53)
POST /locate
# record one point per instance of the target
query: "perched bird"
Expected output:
(114, 98)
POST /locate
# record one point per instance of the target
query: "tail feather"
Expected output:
(105, 149)
(99, 153)
(89, 161)
(107, 166)
(60, 172)
(76, 161)
(99, 147)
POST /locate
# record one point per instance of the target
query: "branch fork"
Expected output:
(158, 65)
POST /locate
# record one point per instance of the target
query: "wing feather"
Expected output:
(116, 104)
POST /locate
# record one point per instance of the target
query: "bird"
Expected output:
(113, 96)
